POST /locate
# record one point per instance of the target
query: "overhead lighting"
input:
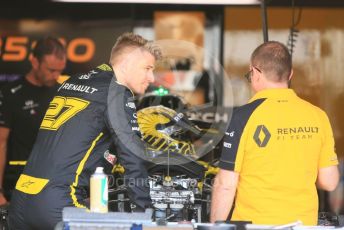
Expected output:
(196, 2)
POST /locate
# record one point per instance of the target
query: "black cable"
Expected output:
(293, 34)
(264, 16)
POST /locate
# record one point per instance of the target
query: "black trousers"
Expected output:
(40, 211)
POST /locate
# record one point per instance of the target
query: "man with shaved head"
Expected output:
(276, 150)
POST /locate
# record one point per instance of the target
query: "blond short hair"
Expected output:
(129, 41)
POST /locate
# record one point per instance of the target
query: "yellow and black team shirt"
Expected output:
(277, 143)
(22, 108)
(89, 112)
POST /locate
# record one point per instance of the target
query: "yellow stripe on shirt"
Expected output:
(79, 170)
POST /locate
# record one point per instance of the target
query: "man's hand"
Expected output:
(3, 200)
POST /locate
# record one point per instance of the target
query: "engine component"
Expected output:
(174, 198)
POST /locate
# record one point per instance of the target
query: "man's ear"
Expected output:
(257, 76)
(34, 62)
(289, 79)
(291, 74)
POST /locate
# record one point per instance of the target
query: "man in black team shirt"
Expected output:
(22, 106)
(89, 112)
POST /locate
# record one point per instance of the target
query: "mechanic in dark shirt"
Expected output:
(22, 106)
(89, 112)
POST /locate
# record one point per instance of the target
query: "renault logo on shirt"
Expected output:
(261, 136)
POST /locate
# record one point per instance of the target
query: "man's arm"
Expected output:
(328, 178)
(4, 133)
(122, 124)
(223, 193)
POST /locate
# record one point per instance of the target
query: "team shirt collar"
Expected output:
(108, 67)
(273, 93)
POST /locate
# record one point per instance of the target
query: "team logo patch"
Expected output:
(231, 134)
(131, 105)
(88, 75)
(227, 145)
(112, 159)
(30, 105)
(15, 89)
(261, 136)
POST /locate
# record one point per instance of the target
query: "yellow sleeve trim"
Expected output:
(17, 163)
(30, 185)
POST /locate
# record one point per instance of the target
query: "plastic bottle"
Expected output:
(99, 191)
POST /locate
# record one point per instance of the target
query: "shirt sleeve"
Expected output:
(328, 156)
(5, 110)
(121, 119)
(230, 156)
(234, 140)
